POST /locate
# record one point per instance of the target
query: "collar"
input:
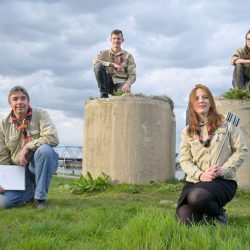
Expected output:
(116, 54)
(201, 124)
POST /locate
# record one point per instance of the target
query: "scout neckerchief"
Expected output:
(22, 126)
(247, 56)
(207, 142)
(120, 60)
(247, 53)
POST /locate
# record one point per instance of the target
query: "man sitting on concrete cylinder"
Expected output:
(241, 61)
(114, 68)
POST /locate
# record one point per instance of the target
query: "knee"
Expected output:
(9, 199)
(45, 151)
(193, 198)
(238, 67)
(2, 201)
(98, 67)
(198, 196)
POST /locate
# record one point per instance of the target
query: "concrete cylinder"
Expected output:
(242, 109)
(131, 138)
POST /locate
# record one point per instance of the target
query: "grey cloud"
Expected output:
(49, 45)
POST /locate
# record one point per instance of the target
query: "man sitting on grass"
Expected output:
(27, 136)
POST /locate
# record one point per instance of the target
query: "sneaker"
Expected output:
(40, 204)
(222, 218)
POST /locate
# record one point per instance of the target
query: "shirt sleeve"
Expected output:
(237, 55)
(48, 133)
(5, 158)
(186, 159)
(102, 58)
(131, 70)
(239, 152)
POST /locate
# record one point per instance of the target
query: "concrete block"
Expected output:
(131, 138)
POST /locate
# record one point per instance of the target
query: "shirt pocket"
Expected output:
(193, 142)
(12, 142)
(195, 146)
(34, 134)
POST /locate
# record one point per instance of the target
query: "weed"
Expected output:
(89, 184)
(132, 189)
(119, 92)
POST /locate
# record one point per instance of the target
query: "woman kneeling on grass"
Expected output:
(209, 185)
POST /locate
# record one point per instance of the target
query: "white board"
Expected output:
(12, 177)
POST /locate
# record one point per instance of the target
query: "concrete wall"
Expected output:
(131, 138)
(242, 109)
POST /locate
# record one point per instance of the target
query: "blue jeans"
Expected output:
(38, 175)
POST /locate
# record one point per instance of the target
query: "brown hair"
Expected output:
(116, 32)
(213, 118)
(18, 89)
(246, 49)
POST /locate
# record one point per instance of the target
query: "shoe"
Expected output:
(222, 218)
(40, 204)
(104, 96)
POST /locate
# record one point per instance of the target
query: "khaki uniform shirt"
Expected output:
(41, 130)
(239, 54)
(122, 58)
(195, 158)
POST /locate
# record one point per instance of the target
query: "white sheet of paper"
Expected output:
(12, 177)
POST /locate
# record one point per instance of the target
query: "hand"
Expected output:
(126, 88)
(217, 171)
(241, 61)
(2, 190)
(23, 156)
(211, 173)
(118, 67)
(206, 177)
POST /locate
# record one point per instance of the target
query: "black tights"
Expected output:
(198, 202)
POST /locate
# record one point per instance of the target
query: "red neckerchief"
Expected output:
(247, 56)
(207, 142)
(120, 61)
(22, 126)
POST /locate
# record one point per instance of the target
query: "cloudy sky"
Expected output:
(48, 46)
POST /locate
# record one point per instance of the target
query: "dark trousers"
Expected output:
(104, 80)
(204, 199)
(241, 76)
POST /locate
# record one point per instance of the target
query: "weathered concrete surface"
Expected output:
(131, 138)
(242, 109)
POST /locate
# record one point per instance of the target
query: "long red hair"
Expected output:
(246, 49)
(213, 119)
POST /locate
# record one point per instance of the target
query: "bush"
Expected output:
(239, 94)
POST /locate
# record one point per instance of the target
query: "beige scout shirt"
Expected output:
(239, 53)
(41, 130)
(195, 158)
(123, 58)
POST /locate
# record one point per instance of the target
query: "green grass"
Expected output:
(121, 217)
